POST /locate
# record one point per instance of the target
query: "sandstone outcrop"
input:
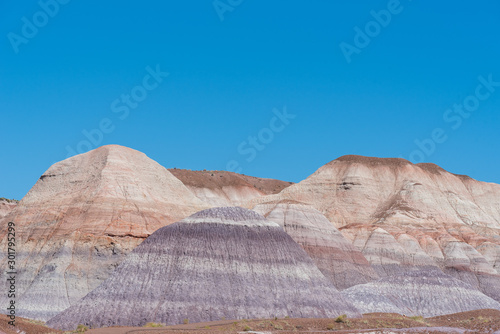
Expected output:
(418, 294)
(82, 217)
(333, 254)
(219, 263)
(222, 188)
(407, 217)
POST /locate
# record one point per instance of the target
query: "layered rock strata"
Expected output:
(418, 294)
(406, 217)
(221, 263)
(81, 218)
(333, 254)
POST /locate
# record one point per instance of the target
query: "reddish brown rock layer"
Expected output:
(222, 188)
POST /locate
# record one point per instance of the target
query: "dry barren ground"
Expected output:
(24, 326)
(483, 321)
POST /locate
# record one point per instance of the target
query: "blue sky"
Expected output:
(233, 67)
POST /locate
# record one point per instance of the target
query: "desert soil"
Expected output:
(482, 321)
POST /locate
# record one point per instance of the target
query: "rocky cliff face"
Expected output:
(333, 254)
(406, 217)
(417, 294)
(221, 188)
(219, 263)
(82, 217)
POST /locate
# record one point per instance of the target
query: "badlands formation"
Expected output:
(361, 225)
(220, 263)
(405, 217)
(82, 217)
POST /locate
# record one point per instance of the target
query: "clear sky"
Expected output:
(307, 81)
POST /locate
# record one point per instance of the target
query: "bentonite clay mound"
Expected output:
(81, 218)
(221, 263)
(405, 217)
(222, 188)
(426, 294)
(333, 254)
